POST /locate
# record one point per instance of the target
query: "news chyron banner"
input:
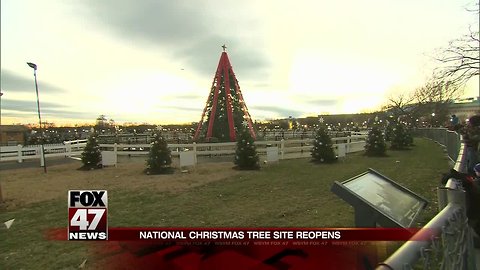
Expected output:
(87, 215)
(221, 248)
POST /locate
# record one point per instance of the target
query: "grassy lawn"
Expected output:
(293, 193)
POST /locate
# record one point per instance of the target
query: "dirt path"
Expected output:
(24, 186)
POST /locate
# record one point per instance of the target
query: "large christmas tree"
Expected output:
(322, 150)
(225, 111)
(91, 155)
(159, 157)
(375, 144)
(246, 156)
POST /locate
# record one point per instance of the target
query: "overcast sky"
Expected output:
(154, 61)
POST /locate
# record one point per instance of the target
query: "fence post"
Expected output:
(195, 152)
(282, 148)
(68, 149)
(115, 151)
(442, 198)
(42, 161)
(348, 146)
(19, 151)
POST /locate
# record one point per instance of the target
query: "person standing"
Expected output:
(454, 122)
(471, 137)
(473, 202)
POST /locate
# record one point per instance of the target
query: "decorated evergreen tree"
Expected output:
(375, 144)
(159, 158)
(400, 140)
(91, 155)
(246, 156)
(323, 147)
(409, 136)
(389, 131)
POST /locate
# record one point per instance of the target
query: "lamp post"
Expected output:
(32, 65)
(1, 94)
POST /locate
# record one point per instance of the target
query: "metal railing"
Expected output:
(451, 140)
(451, 238)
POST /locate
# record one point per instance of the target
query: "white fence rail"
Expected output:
(286, 148)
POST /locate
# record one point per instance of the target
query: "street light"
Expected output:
(32, 65)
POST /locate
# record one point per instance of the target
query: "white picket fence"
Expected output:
(21, 153)
(286, 148)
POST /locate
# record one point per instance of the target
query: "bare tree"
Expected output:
(461, 59)
(437, 90)
(400, 105)
(460, 62)
(433, 97)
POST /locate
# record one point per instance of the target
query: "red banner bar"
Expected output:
(257, 234)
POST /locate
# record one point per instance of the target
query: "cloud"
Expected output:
(203, 56)
(189, 96)
(280, 111)
(22, 108)
(15, 83)
(170, 23)
(190, 33)
(322, 102)
(180, 108)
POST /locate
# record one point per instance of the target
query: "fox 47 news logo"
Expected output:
(87, 215)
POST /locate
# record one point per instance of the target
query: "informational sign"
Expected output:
(341, 152)
(109, 158)
(379, 200)
(187, 158)
(272, 154)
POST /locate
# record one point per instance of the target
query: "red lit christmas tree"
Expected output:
(225, 110)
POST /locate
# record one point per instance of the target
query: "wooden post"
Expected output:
(68, 149)
(42, 161)
(1, 193)
(115, 152)
(195, 152)
(19, 151)
(282, 148)
(349, 146)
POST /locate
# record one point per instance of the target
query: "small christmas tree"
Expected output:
(409, 137)
(323, 147)
(400, 140)
(246, 156)
(91, 155)
(375, 144)
(159, 158)
(389, 131)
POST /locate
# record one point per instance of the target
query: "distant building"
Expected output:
(466, 109)
(13, 134)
